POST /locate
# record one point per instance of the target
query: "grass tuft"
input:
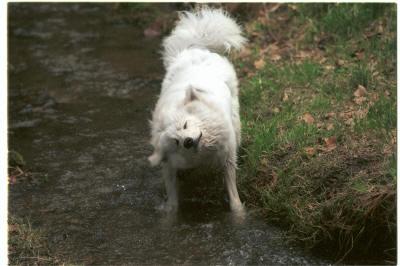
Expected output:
(26, 245)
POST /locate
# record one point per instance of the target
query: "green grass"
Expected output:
(27, 245)
(339, 196)
(381, 116)
(342, 20)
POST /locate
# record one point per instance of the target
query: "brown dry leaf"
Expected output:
(275, 57)
(360, 92)
(394, 137)
(329, 67)
(320, 125)
(12, 228)
(346, 114)
(264, 162)
(340, 62)
(259, 64)
(359, 100)
(380, 28)
(251, 74)
(273, 51)
(359, 54)
(275, 110)
(374, 97)
(309, 151)
(285, 97)
(322, 60)
(308, 118)
(274, 180)
(349, 122)
(388, 149)
(330, 126)
(263, 20)
(330, 115)
(272, 48)
(330, 143)
(245, 52)
(303, 55)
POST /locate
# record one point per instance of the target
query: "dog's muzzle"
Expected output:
(190, 142)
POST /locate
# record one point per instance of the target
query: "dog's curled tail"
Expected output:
(212, 29)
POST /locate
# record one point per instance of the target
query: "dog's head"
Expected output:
(194, 128)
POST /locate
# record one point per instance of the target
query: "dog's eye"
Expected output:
(185, 125)
(177, 142)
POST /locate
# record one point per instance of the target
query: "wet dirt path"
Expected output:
(82, 83)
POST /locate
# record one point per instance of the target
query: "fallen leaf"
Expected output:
(388, 149)
(394, 137)
(274, 180)
(251, 74)
(309, 151)
(285, 97)
(359, 54)
(263, 20)
(329, 67)
(308, 118)
(359, 100)
(259, 64)
(330, 126)
(349, 122)
(322, 60)
(320, 125)
(340, 62)
(276, 110)
(361, 91)
(303, 55)
(273, 48)
(12, 228)
(374, 97)
(380, 28)
(275, 57)
(330, 115)
(245, 52)
(330, 143)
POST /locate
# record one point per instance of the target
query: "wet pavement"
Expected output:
(82, 84)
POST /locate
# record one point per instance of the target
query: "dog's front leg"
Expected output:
(169, 175)
(230, 181)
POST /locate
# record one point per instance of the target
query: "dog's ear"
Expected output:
(191, 95)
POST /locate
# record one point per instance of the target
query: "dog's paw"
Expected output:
(168, 207)
(237, 207)
(154, 159)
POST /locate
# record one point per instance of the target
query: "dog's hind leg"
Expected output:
(236, 120)
(230, 182)
(169, 175)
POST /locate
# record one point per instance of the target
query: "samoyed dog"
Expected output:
(196, 120)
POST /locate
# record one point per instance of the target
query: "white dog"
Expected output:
(196, 120)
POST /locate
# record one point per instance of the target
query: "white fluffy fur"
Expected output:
(199, 100)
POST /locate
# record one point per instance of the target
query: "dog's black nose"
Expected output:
(188, 143)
